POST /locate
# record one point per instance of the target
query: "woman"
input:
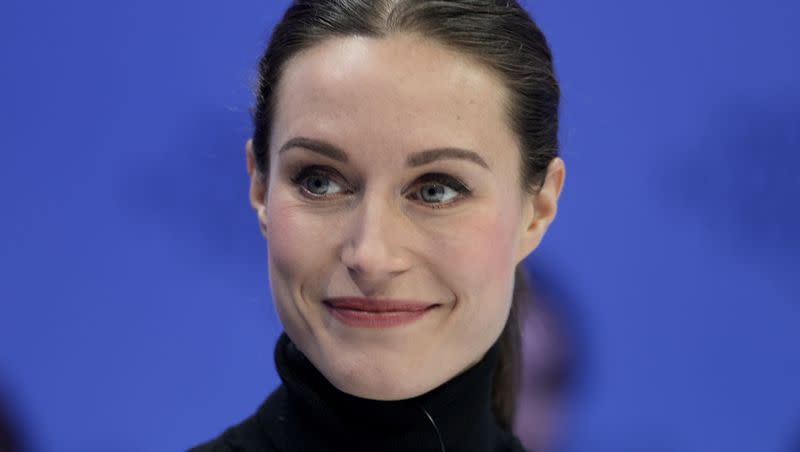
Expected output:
(403, 164)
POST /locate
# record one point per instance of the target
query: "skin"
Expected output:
(374, 232)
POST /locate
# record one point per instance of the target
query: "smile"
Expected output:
(372, 313)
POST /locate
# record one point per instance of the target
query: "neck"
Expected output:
(455, 416)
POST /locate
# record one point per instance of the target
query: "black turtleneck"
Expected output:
(307, 413)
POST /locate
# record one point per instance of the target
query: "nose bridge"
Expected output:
(373, 243)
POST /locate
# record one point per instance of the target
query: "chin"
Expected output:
(372, 377)
(379, 384)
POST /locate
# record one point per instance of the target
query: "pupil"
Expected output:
(318, 185)
(433, 193)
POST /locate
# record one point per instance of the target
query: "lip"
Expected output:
(374, 313)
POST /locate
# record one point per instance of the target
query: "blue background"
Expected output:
(134, 306)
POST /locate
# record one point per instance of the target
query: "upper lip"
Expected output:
(378, 305)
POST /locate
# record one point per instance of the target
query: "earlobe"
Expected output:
(541, 208)
(258, 188)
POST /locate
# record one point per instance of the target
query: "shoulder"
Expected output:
(257, 433)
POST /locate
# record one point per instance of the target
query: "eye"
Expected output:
(435, 193)
(316, 182)
(439, 190)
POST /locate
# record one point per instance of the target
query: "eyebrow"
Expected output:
(414, 160)
(320, 147)
(432, 155)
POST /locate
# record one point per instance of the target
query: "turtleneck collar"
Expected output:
(318, 416)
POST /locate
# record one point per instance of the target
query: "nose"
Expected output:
(373, 249)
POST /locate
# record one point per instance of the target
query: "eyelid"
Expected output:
(443, 179)
(306, 171)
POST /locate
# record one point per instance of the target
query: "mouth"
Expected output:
(374, 313)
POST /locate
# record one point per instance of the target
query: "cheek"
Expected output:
(481, 249)
(295, 242)
(282, 234)
(479, 263)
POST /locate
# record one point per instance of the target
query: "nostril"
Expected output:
(354, 271)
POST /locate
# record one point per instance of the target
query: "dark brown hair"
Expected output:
(496, 33)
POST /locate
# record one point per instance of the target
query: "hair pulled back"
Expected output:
(496, 33)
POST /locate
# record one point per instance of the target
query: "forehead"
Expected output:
(397, 94)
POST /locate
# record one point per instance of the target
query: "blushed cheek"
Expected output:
(477, 262)
(485, 250)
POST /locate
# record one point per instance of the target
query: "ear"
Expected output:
(539, 209)
(258, 188)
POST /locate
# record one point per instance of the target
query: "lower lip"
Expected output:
(367, 319)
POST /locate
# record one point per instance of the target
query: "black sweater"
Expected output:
(307, 413)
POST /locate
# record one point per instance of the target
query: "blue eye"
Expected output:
(436, 193)
(316, 182)
(438, 190)
(318, 185)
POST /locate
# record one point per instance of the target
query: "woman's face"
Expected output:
(393, 212)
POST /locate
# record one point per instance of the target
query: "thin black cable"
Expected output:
(435, 427)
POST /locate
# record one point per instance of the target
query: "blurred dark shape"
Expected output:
(549, 359)
(10, 433)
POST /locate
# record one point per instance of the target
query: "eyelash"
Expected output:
(431, 178)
